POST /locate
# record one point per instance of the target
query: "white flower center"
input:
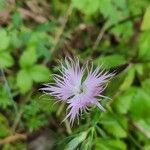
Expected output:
(78, 90)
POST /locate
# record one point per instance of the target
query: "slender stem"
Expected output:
(8, 90)
(126, 20)
(17, 120)
(20, 113)
(59, 111)
(104, 28)
(99, 37)
(142, 130)
(68, 128)
(13, 138)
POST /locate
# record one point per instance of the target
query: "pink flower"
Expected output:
(79, 87)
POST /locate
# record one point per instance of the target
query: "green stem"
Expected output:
(6, 84)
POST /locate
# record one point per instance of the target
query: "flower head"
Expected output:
(79, 87)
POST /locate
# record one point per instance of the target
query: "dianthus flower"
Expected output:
(79, 87)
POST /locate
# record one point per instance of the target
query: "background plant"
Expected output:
(35, 34)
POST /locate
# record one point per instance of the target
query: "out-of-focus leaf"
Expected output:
(146, 147)
(119, 29)
(146, 86)
(113, 126)
(145, 125)
(34, 122)
(4, 127)
(5, 102)
(113, 14)
(6, 60)
(139, 68)
(4, 98)
(111, 60)
(144, 46)
(34, 119)
(28, 58)
(91, 7)
(128, 79)
(137, 6)
(17, 20)
(47, 103)
(15, 39)
(32, 108)
(140, 105)
(120, 4)
(42, 51)
(110, 144)
(123, 102)
(4, 40)
(37, 37)
(24, 81)
(15, 146)
(46, 27)
(25, 36)
(73, 144)
(146, 21)
(39, 73)
(2, 4)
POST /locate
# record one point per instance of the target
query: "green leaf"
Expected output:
(146, 86)
(35, 122)
(15, 39)
(146, 147)
(17, 20)
(87, 143)
(4, 127)
(73, 144)
(32, 108)
(110, 144)
(139, 68)
(137, 6)
(128, 79)
(24, 81)
(111, 14)
(119, 29)
(145, 125)
(4, 40)
(6, 60)
(5, 101)
(116, 10)
(43, 51)
(146, 21)
(28, 58)
(34, 119)
(113, 126)
(120, 4)
(39, 73)
(2, 5)
(123, 102)
(144, 46)
(91, 7)
(47, 103)
(140, 105)
(111, 60)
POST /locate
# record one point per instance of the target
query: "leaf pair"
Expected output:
(30, 70)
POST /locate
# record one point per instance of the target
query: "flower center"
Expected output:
(78, 90)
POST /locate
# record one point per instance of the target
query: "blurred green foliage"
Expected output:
(35, 34)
